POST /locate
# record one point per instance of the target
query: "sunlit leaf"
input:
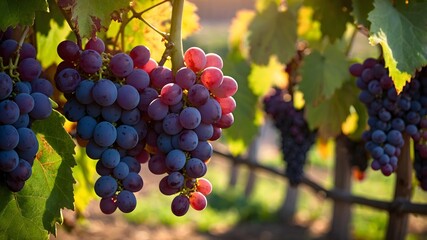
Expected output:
(240, 135)
(84, 174)
(272, 32)
(137, 32)
(333, 16)
(34, 212)
(95, 15)
(307, 27)
(45, 42)
(43, 19)
(20, 12)
(322, 74)
(361, 8)
(328, 116)
(239, 29)
(262, 78)
(402, 33)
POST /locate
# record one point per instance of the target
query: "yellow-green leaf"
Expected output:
(84, 174)
(246, 123)
(45, 51)
(20, 12)
(401, 31)
(94, 15)
(238, 30)
(263, 77)
(323, 73)
(272, 32)
(328, 116)
(361, 8)
(34, 212)
(333, 16)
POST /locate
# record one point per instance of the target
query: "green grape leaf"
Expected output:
(262, 78)
(361, 8)
(84, 174)
(45, 43)
(308, 29)
(93, 16)
(43, 19)
(333, 16)
(402, 33)
(137, 32)
(20, 12)
(240, 135)
(33, 212)
(322, 74)
(272, 32)
(328, 116)
(362, 115)
(238, 30)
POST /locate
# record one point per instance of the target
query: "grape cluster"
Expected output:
(130, 110)
(185, 112)
(296, 136)
(357, 155)
(420, 141)
(24, 98)
(103, 96)
(391, 115)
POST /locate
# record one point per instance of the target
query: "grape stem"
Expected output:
(351, 43)
(21, 41)
(73, 27)
(137, 15)
(175, 35)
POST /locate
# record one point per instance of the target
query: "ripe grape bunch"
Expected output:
(391, 115)
(296, 136)
(103, 94)
(186, 111)
(129, 109)
(420, 141)
(24, 98)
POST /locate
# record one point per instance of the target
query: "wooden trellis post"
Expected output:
(341, 217)
(398, 221)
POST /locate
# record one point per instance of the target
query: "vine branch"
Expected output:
(396, 206)
(175, 35)
(72, 26)
(139, 16)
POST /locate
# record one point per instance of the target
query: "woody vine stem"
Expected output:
(175, 35)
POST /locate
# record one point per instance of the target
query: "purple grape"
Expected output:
(90, 61)
(139, 79)
(121, 65)
(127, 137)
(67, 80)
(9, 112)
(95, 44)
(126, 201)
(105, 186)
(195, 168)
(68, 51)
(133, 182)
(175, 160)
(29, 69)
(6, 85)
(180, 205)
(104, 92)
(140, 55)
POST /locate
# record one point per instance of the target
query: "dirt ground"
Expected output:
(102, 227)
